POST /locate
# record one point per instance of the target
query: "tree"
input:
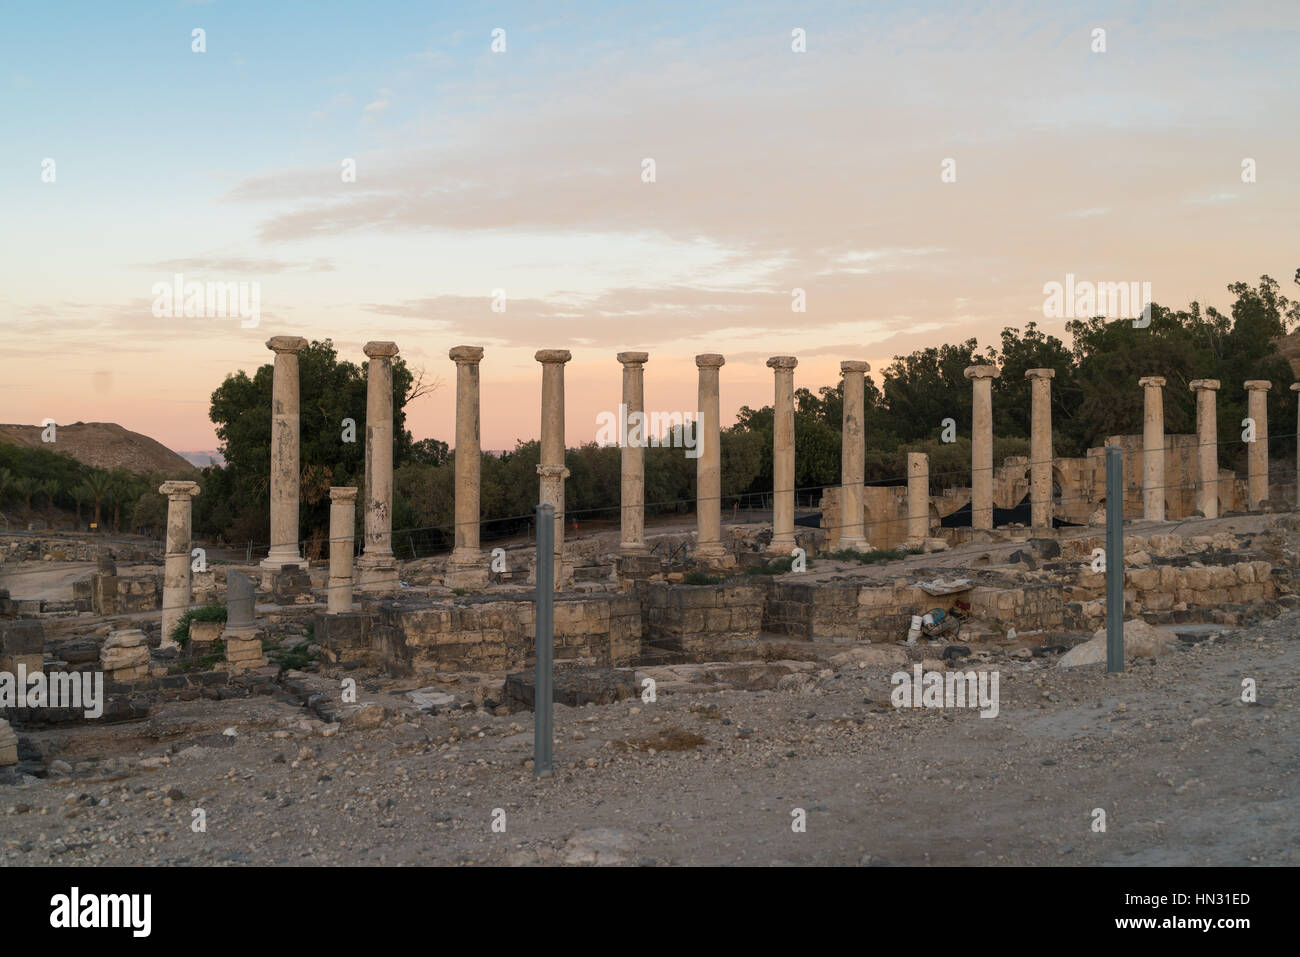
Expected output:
(332, 416)
(50, 488)
(26, 487)
(98, 484)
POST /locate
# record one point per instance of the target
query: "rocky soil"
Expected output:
(1185, 772)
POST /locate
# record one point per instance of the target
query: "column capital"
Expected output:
(854, 365)
(343, 493)
(178, 490)
(553, 356)
(1040, 373)
(466, 355)
(782, 362)
(552, 471)
(710, 360)
(982, 371)
(286, 345)
(633, 358)
(1152, 382)
(1204, 385)
(380, 350)
(1258, 385)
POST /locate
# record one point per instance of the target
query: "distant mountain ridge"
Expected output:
(104, 445)
(202, 458)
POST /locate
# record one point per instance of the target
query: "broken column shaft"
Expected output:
(551, 468)
(1153, 448)
(377, 565)
(1207, 449)
(343, 518)
(1257, 450)
(177, 569)
(284, 478)
(981, 444)
(708, 467)
(1040, 447)
(783, 455)
(632, 455)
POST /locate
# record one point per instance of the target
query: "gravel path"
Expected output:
(1185, 772)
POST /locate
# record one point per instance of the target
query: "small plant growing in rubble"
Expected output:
(297, 658)
(777, 566)
(460, 591)
(181, 633)
(873, 557)
(699, 578)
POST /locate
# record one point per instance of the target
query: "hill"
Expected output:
(104, 445)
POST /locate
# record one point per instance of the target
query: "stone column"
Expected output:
(632, 455)
(176, 571)
(466, 553)
(918, 498)
(377, 565)
(783, 455)
(343, 518)
(708, 466)
(981, 444)
(1295, 387)
(1040, 447)
(284, 457)
(1207, 451)
(1153, 449)
(551, 467)
(1257, 451)
(852, 456)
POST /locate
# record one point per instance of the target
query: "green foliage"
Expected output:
(777, 566)
(296, 658)
(235, 503)
(700, 578)
(875, 557)
(181, 632)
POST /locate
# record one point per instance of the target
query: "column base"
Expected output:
(853, 544)
(460, 575)
(710, 550)
(563, 575)
(273, 563)
(781, 547)
(377, 574)
(633, 548)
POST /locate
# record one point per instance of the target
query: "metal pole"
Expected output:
(1114, 559)
(543, 695)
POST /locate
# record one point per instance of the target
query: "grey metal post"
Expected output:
(1114, 559)
(543, 695)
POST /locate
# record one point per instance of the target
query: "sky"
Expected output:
(920, 171)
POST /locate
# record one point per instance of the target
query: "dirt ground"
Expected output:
(1185, 772)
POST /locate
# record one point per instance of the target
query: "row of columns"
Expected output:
(377, 564)
(1207, 446)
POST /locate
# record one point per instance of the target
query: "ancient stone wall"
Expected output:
(704, 621)
(493, 634)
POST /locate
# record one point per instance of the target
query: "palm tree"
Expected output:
(6, 482)
(80, 494)
(98, 483)
(26, 487)
(50, 488)
(123, 490)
